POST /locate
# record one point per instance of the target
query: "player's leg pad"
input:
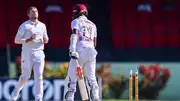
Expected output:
(69, 96)
(93, 89)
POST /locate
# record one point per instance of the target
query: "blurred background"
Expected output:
(133, 35)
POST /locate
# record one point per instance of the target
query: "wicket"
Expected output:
(131, 86)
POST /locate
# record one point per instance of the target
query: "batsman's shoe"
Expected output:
(69, 96)
(14, 95)
(97, 100)
(39, 100)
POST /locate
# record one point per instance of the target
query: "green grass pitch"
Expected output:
(134, 100)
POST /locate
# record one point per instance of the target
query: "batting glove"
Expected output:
(74, 55)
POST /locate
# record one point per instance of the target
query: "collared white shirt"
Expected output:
(26, 30)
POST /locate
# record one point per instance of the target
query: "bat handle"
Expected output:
(77, 62)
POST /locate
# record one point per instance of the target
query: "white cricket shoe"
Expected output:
(14, 95)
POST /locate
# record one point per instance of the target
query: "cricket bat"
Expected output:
(81, 82)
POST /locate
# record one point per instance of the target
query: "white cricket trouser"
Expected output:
(87, 60)
(32, 60)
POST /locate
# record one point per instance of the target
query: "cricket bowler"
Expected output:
(82, 47)
(32, 34)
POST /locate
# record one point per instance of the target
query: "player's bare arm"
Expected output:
(45, 40)
(95, 37)
(45, 37)
(95, 42)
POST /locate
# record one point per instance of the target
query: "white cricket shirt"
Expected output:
(86, 32)
(26, 30)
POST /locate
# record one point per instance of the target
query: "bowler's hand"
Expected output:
(45, 40)
(31, 38)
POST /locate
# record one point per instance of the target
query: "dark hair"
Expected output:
(30, 8)
(77, 14)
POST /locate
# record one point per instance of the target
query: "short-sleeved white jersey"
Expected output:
(26, 30)
(86, 32)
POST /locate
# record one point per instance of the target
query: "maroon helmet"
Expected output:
(79, 9)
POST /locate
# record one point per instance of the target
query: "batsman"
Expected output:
(82, 48)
